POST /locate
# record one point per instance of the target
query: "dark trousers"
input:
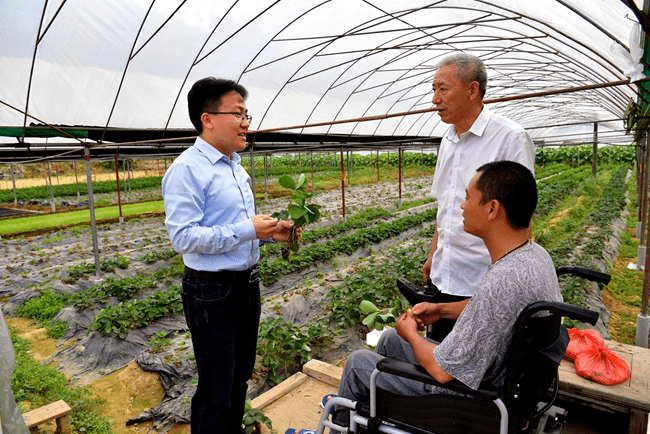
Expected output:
(222, 311)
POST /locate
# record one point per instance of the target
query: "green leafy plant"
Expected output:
(254, 418)
(300, 212)
(283, 348)
(378, 318)
(159, 342)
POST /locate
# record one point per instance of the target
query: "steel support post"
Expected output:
(91, 206)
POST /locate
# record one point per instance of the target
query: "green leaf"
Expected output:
(387, 317)
(300, 222)
(287, 182)
(301, 182)
(314, 210)
(296, 211)
(299, 197)
(367, 307)
(281, 215)
(370, 319)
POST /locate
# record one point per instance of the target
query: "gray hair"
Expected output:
(469, 68)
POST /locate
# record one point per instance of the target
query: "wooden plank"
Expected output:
(638, 422)
(640, 368)
(299, 408)
(324, 372)
(63, 425)
(631, 397)
(46, 413)
(279, 391)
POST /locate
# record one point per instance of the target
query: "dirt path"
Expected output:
(128, 391)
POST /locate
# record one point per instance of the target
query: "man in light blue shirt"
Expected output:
(210, 217)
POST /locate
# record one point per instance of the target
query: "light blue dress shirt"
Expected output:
(209, 205)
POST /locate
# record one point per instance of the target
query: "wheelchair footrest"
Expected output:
(552, 421)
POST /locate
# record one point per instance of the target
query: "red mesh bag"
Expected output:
(582, 340)
(602, 365)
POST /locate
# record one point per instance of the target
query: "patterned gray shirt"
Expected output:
(476, 348)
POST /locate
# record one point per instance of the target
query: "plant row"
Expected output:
(270, 272)
(283, 347)
(583, 154)
(292, 164)
(580, 236)
(552, 190)
(360, 220)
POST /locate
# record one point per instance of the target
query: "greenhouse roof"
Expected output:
(320, 72)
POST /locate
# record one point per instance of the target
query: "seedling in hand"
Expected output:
(300, 212)
(378, 318)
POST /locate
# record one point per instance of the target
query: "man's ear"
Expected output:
(474, 90)
(494, 208)
(207, 121)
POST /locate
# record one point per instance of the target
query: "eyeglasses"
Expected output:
(238, 115)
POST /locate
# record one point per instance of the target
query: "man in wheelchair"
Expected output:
(498, 208)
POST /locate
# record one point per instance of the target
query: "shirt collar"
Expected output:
(477, 128)
(213, 154)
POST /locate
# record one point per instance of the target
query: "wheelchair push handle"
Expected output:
(585, 273)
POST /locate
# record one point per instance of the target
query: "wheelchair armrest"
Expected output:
(562, 309)
(418, 373)
(413, 293)
(585, 273)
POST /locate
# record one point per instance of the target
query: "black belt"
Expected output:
(251, 274)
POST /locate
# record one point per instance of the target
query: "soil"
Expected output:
(127, 391)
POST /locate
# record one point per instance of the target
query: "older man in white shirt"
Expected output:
(458, 260)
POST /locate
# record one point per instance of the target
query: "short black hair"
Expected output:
(206, 94)
(513, 185)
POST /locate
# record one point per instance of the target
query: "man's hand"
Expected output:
(425, 314)
(407, 327)
(283, 231)
(265, 226)
(426, 269)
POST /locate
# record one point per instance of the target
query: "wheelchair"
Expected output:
(538, 345)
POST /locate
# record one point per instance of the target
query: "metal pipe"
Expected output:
(643, 191)
(377, 162)
(253, 176)
(594, 158)
(49, 180)
(266, 180)
(119, 193)
(433, 109)
(313, 182)
(342, 184)
(399, 165)
(91, 206)
(13, 183)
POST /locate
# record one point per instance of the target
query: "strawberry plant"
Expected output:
(300, 212)
(378, 318)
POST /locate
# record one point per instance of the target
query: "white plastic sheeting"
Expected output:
(130, 63)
